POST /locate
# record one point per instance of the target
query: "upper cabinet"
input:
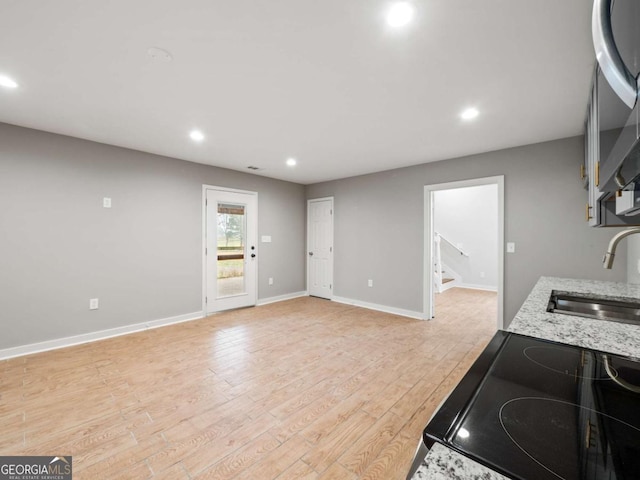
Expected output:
(612, 146)
(589, 171)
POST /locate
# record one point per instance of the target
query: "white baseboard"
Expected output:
(478, 287)
(280, 298)
(138, 327)
(94, 336)
(381, 308)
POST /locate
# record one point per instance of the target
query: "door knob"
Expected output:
(311, 254)
(253, 255)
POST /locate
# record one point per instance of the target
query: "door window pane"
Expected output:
(231, 249)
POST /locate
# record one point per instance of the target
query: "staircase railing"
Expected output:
(437, 259)
(462, 252)
(437, 263)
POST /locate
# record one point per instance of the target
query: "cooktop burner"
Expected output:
(532, 409)
(558, 419)
(561, 360)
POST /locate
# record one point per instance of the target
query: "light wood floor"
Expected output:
(302, 389)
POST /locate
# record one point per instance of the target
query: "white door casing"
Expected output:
(320, 247)
(238, 291)
(428, 289)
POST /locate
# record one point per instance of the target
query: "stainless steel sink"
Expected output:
(614, 310)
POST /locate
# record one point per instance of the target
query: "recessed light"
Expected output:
(469, 114)
(196, 135)
(7, 82)
(159, 55)
(291, 162)
(400, 14)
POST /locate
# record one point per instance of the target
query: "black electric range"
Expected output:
(534, 409)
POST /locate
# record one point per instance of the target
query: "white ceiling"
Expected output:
(326, 82)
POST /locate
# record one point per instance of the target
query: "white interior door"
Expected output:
(231, 249)
(320, 247)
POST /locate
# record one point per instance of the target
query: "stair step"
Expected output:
(447, 280)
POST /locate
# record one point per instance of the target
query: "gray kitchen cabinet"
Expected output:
(600, 205)
(590, 171)
(612, 146)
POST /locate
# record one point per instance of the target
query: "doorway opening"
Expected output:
(464, 245)
(230, 249)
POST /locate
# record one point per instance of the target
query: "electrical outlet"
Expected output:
(93, 304)
(482, 275)
(106, 202)
(270, 280)
(370, 283)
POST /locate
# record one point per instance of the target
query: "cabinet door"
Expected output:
(592, 213)
(617, 120)
(600, 207)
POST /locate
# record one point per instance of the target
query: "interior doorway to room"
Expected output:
(464, 225)
(230, 249)
(320, 247)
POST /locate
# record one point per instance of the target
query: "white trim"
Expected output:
(281, 298)
(95, 336)
(380, 308)
(428, 244)
(471, 286)
(333, 211)
(204, 248)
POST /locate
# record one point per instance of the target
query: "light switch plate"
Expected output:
(511, 247)
(93, 304)
(106, 202)
(266, 238)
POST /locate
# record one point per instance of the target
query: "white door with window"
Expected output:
(320, 247)
(230, 249)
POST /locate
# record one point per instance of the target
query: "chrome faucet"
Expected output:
(607, 261)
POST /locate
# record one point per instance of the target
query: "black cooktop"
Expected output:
(533, 409)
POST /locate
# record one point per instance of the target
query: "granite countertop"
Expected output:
(442, 463)
(533, 320)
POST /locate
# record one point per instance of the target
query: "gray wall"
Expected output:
(469, 216)
(379, 224)
(142, 258)
(633, 257)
